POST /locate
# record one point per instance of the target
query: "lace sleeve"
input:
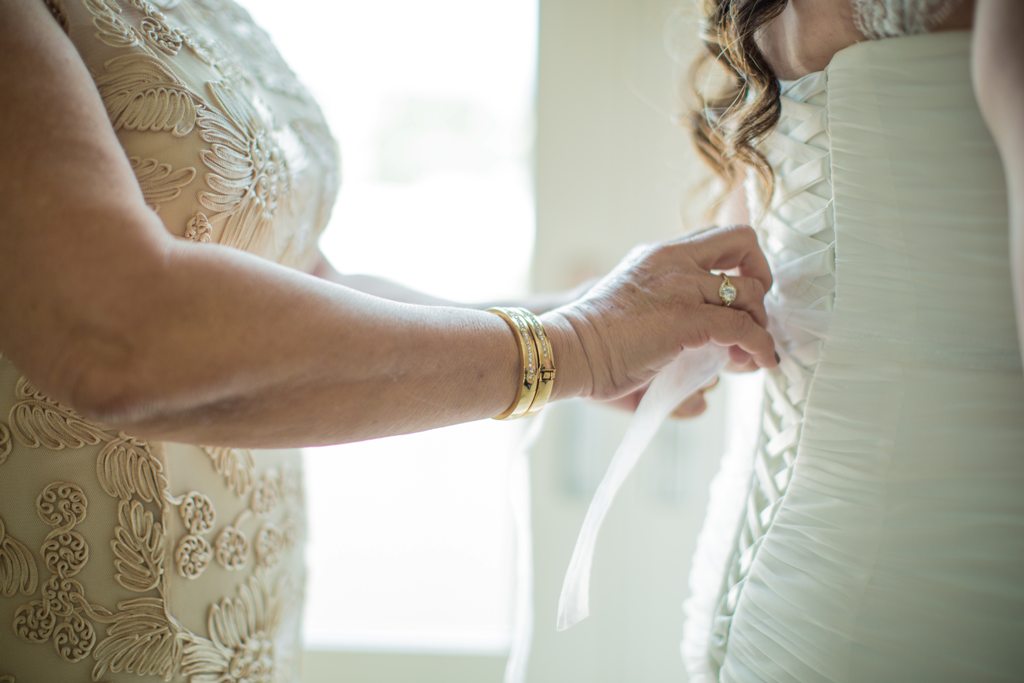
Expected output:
(891, 18)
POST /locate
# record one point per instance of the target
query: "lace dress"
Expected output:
(128, 560)
(878, 533)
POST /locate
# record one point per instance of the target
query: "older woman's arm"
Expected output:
(999, 83)
(103, 310)
(394, 291)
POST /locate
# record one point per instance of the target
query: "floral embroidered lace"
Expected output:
(122, 558)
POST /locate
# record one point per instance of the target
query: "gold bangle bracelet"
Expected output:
(545, 363)
(527, 362)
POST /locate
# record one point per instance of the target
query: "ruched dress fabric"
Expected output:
(127, 560)
(878, 533)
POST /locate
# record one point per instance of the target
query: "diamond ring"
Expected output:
(727, 291)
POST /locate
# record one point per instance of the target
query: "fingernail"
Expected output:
(777, 359)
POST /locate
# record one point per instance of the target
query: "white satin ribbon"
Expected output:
(788, 317)
(519, 499)
(691, 369)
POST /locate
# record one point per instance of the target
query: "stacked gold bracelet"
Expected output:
(537, 360)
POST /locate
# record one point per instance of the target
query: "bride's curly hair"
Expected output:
(728, 123)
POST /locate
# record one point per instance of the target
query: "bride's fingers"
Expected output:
(749, 295)
(730, 247)
(697, 403)
(740, 361)
(692, 406)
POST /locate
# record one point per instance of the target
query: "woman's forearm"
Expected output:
(378, 286)
(263, 356)
(388, 289)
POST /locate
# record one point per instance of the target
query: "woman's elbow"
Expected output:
(108, 396)
(99, 357)
(101, 377)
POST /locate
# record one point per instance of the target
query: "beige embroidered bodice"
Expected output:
(122, 559)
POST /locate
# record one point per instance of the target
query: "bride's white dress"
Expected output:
(881, 522)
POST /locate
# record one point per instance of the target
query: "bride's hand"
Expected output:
(657, 301)
(693, 405)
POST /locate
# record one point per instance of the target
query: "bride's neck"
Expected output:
(808, 33)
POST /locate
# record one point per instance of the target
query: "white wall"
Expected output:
(613, 169)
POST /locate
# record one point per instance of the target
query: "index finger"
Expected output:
(729, 247)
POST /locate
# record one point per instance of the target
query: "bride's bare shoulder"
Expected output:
(808, 33)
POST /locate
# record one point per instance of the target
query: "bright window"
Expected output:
(411, 537)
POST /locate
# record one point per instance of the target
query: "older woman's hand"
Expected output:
(659, 300)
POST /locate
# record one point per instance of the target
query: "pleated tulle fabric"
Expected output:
(878, 532)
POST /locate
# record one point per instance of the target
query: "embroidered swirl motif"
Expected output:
(164, 38)
(58, 617)
(154, 26)
(197, 513)
(198, 228)
(60, 595)
(232, 548)
(34, 622)
(74, 638)
(66, 553)
(270, 543)
(192, 556)
(62, 505)
(266, 493)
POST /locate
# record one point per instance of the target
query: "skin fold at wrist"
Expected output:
(574, 376)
